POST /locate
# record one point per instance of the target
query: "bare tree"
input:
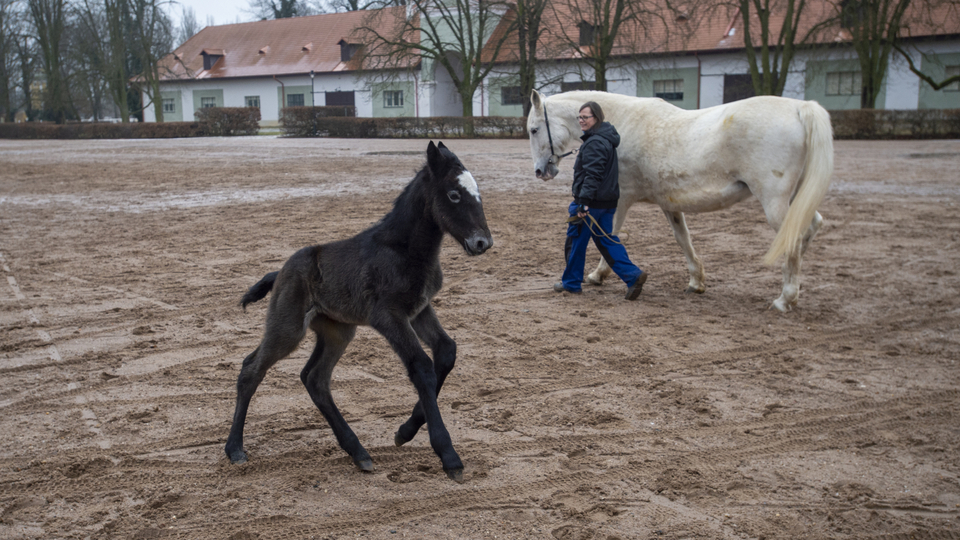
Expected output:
(7, 58)
(49, 22)
(27, 60)
(341, 6)
(936, 85)
(593, 30)
(874, 27)
(771, 47)
(150, 40)
(454, 34)
(103, 26)
(279, 9)
(530, 28)
(188, 25)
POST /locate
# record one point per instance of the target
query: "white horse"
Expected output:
(779, 150)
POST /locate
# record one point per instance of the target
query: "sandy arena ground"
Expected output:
(578, 418)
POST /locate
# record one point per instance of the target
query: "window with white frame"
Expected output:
(392, 99)
(207, 102)
(169, 105)
(668, 89)
(252, 101)
(952, 71)
(843, 83)
(295, 100)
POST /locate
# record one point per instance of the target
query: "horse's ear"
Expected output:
(536, 100)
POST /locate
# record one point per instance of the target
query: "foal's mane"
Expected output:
(408, 207)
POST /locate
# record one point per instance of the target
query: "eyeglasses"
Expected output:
(584, 118)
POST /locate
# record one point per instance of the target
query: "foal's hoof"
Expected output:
(237, 457)
(593, 280)
(398, 440)
(365, 465)
(695, 290)
(455, 474)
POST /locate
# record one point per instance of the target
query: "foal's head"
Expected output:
(454, 200)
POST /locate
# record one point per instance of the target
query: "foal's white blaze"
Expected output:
(469, 184)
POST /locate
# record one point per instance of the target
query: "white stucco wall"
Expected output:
(438, 97)
(235, 92)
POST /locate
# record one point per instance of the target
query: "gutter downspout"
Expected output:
(482, 100)
(283, 95)
(416, 94)
(699, 75)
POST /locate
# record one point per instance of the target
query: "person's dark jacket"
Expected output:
(596, 172)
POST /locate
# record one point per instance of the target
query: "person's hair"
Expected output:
(595, 110)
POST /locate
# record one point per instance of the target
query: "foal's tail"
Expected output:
(813, 184)
(260, 290)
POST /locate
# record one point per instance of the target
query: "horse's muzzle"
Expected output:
(478, 243)
(548, 172)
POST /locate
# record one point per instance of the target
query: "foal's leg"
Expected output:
(603, 269)
(679, 224)
(444, 349)
(332, 340)
(399, 332)
(280, 338)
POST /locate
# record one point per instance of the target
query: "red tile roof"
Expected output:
(273, 47)
(717, 29)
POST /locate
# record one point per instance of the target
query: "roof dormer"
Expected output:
(347, 50)
(211, 57)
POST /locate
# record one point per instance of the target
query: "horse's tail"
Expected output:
(814, 181)
(259, 290)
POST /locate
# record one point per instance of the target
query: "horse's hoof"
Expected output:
(398, 440)
(695, 290)
(592, 280)
(365, 465)
(455, 474)
(781, 306)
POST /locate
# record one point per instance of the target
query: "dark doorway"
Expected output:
(737, 87)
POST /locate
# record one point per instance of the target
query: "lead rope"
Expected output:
(593, 221)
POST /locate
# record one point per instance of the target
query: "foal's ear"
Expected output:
(433, 156)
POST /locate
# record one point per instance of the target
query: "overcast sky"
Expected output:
(220, 11)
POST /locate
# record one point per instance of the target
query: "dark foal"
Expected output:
(384, 277)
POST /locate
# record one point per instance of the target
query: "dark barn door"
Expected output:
(737, 87)
(340, 99)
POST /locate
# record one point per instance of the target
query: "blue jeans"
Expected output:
(575, 250)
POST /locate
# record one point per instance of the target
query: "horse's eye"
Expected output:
(534, 131)
(454, 196)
